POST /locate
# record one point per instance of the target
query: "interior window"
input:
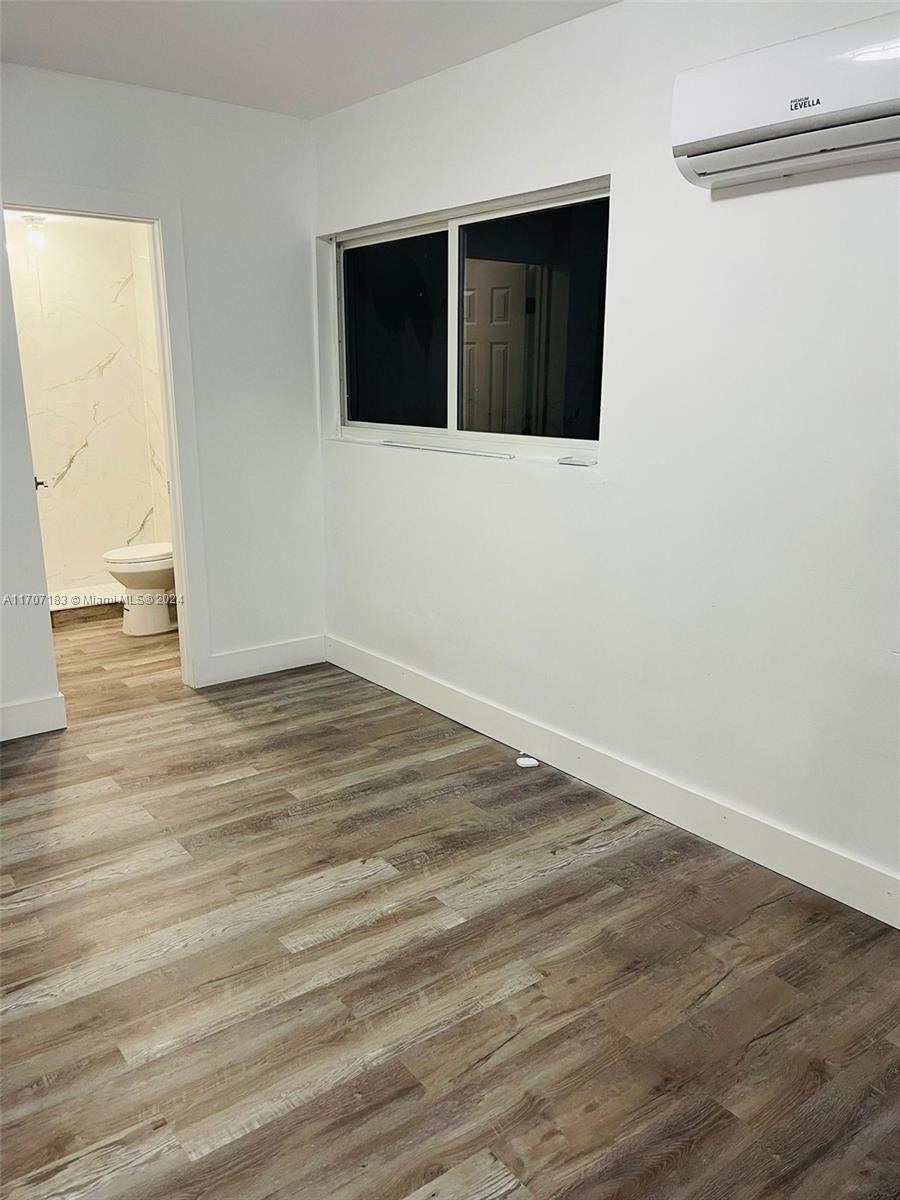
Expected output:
(531, 309)
(395, 323)
(528, 296)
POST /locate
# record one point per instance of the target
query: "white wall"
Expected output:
(243, 180)
(715, 601)
(88, 348)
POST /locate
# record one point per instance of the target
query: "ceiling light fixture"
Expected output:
(34, 230)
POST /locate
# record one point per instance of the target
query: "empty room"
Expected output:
(450, 600)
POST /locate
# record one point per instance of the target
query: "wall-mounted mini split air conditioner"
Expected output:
(816, 102)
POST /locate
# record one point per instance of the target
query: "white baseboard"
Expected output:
(226, 665)
(861, 885)
(32, 716)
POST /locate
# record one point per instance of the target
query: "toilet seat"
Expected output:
(155, 554)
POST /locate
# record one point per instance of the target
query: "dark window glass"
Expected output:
(395, 317)
(532, 300)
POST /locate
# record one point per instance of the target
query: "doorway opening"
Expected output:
(90, 311)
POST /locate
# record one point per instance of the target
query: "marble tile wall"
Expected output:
(148, 346)
(87, 335)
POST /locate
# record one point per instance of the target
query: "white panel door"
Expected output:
(493, 362)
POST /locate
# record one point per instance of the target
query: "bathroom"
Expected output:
(86, 308)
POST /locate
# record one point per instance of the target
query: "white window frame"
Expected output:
(332, 340)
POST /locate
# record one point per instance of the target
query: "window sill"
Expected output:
(503, 450)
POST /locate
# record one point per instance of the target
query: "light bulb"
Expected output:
(34, 232)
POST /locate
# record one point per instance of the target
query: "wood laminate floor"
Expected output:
(297, 938)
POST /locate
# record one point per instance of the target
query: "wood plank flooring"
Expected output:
(296, 938)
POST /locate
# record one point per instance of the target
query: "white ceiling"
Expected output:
(289, 56)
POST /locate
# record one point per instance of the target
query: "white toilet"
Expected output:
(148, 575)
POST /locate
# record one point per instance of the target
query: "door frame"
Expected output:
(163, 216)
